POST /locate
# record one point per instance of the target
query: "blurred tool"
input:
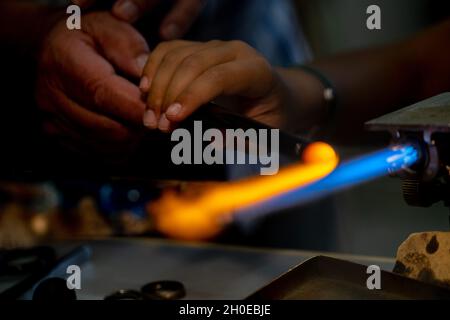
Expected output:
(25, 261)
(54, 289)
(160, 290)
(125, 295)
(164, 290)
(25, 289)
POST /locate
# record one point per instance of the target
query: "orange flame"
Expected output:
(203, 215)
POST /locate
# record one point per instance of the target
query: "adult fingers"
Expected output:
(131, 10)
(91, 81)
(120, 42)
(88, 123)
(180, 18)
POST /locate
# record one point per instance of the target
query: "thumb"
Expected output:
(180, 18)
(121, 44)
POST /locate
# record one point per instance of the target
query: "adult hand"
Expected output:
(175, 24)
(89, 106)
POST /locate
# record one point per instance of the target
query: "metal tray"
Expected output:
(431, 114)
(324, 278)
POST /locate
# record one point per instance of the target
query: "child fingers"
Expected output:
(195, 65)
(224, 79)
(155, 59)
(163, 74)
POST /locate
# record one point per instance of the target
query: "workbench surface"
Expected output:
(207, 271)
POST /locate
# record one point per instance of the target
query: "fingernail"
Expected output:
(145, 84)
(174, 110)
(150, 119)
(141, 61)
(127, 10)
(164, 123)
(172, 31)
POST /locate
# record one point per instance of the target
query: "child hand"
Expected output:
(181, 76)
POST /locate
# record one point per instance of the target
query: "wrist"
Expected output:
(305, 107)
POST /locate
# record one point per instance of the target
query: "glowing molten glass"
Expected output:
(203, 215)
